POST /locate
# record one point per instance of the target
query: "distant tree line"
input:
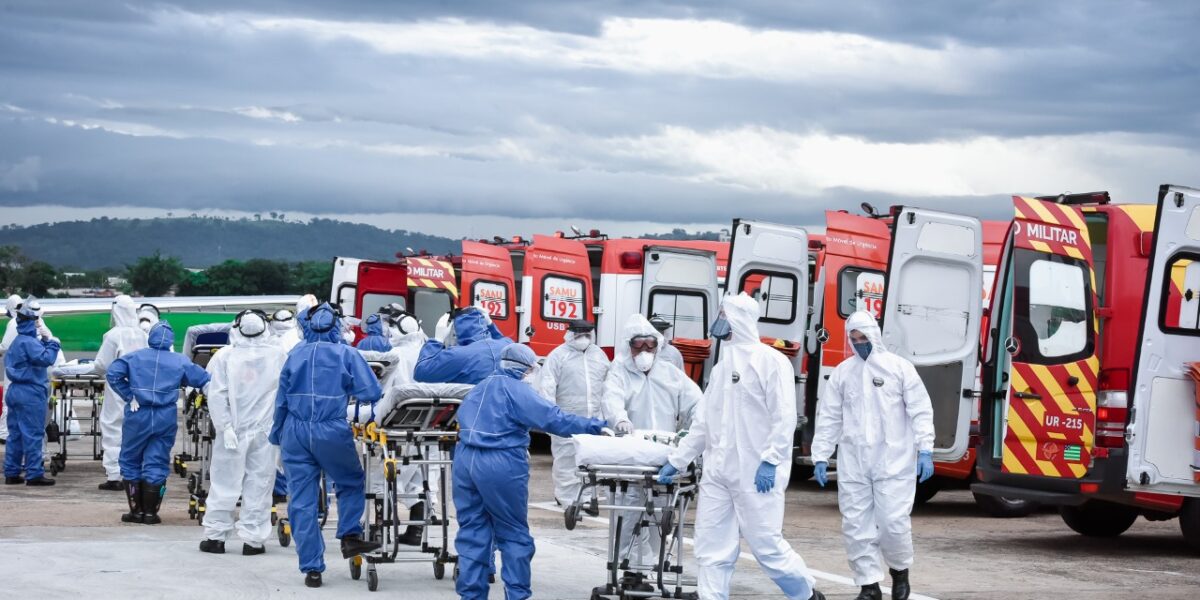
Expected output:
(21, 275)
(156, 275)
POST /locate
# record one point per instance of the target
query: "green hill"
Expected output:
(201, 242)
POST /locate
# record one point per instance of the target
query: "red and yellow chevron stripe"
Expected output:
(1051, 425)
(431, 273)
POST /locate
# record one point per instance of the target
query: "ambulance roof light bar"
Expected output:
(1085, 198)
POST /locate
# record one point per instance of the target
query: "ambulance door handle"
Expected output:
(1028, 396)
(1072, 381)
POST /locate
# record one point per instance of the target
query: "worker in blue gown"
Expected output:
(474, 357)
(310, 427)
(377, 337)
(27, 398)
(491, 472)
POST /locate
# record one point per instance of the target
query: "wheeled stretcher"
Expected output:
(407, 448)
(200, 344)
(74, 387)
(661, 513)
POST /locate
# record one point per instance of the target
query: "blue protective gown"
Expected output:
(152, 376)
(476, 356)
(491, 479)
(377, 339)
(26, 400)
(311, 429)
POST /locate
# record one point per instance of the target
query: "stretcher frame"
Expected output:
(421, 431)
(195, 462)
(67, 390)
(665, 578)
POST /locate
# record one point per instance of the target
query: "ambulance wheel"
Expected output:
(439, 570)
(1005, 508)
(927, 489)
(1096, 518)
(356, 568)
(571, 516)
(1189, 522)
(372, 581)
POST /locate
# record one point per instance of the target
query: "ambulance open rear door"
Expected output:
(680, 286)
(487, 281)
(363, 287)
(557, 290)
(770, 262)
(931, 315)
(1163, 434)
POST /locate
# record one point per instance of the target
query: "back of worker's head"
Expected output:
(161, 336)
(863, 337)
(470, 326)
(282, 321)
(373, 324)
(124, 312)
(737, 323)
(10, 306)
(321, 324)
(249, 328)
(402, 327)
(518, 361)
(29, 309)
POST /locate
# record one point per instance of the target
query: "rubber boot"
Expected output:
(152, 495)
(133, 494)
(412, 536)
(900, 587)
(870, 592)
(14, 480)
(817, 596)
(312, 579)
(112, 486)
(212, 546)
(353, 545)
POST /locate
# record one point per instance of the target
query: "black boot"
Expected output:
(248, 550)
(212, 546)
(14, 480)
(870, 592)
(353, 545)
(40, 481)
(817, 596)
(133, 494)
(312, 579)
(112, 486)
(900, 587)
(412, 536)
(152, 495)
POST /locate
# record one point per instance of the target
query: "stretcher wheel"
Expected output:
(454, 576)
(372, 581)
(571, 517)
(285, 533)
(274, 517)
(356, 568)
(439, 570)
(389, 471)
(191, 484)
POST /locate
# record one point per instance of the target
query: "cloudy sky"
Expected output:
(475, 115)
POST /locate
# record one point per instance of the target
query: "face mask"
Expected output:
(145, 325)
(644, 361)
(721, 329)
(863, 349)
(581, 343)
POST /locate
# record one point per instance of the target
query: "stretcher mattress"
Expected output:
(399, 395)
(633, 450)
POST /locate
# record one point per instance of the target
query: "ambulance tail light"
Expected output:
(631, 260)
(1112, 408)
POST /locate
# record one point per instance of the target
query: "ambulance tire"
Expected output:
(927, 489)
(1006, 508)
(1189, 522)
(1096, 518)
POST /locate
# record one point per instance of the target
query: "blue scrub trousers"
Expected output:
(146, 440)
(309, 447)
(491, 497)
(26, 418)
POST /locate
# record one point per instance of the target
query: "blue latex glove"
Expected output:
(821, 473)
(924, 466)
(668, 471)
(764, 478)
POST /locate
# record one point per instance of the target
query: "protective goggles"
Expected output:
(282, 315)
(151, 307)
(643, 343)
(237, 321)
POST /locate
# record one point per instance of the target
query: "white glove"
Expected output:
(444, 328)
(43, 331)
(487, 316)
(133, 405)
(229, 437)
(624, 428)
(608, 432)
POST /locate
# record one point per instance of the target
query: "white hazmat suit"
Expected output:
(747, 418)
(663, 398)
(878, 415)
(574, 380)
(284, 332)
(241, 403)
(124, 338)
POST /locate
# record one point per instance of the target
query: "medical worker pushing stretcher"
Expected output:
(877, 413)
(744, 429)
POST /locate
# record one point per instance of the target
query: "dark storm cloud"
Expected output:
(177, 104)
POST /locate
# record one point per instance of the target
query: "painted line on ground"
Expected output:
(830, 577)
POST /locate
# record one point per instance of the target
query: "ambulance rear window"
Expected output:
(429, 306)
(687, 312)
(1052, 308)
(775, 293)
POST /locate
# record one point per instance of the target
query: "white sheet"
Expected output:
(633, 450)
